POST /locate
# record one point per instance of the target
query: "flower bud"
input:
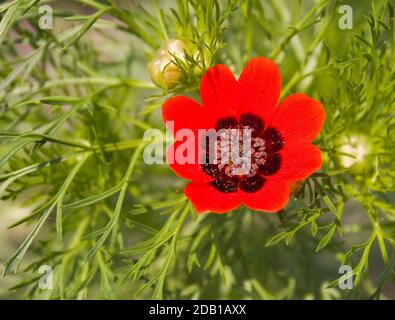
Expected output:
(164, 73)
(355, 152)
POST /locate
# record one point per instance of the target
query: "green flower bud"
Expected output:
(355, 153)
(164, 73)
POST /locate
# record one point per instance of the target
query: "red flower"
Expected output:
(282, 132)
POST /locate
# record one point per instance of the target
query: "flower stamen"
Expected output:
(241, 152)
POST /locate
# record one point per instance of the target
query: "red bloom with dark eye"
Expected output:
(281, 149)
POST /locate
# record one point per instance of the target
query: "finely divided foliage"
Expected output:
(75, 102)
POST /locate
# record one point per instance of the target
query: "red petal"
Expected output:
(218, 92)
(299, 118)
(205, 198)
(298, 162)
(272, 197)
(189, 171)
(185, 112)
(259, 87)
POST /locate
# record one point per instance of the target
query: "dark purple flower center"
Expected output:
(241, 153)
